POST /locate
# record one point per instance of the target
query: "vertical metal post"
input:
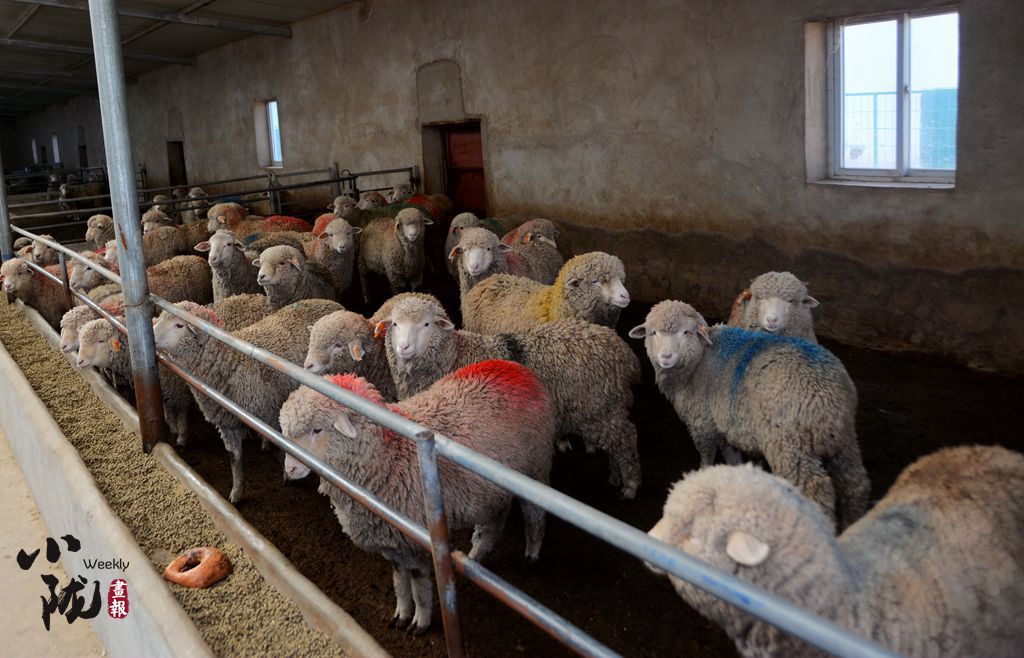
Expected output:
(336, 185)
(273, 195)
(437, 523)
(106, 43)
(6, 241)
(414, 177)
(68, 299)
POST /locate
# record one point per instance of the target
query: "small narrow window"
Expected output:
(54, 148)
(35, 151)
(894, 83)
(269, 152)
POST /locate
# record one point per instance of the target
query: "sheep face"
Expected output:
(337, 342)
(345, 207)
(160, 202)
(278, 265)
(413, 327)
(462, 221)
(411, 223)
(594, 282)
(42, 254)
(340, 236)
(401, 192)
(674, 335)
(17, 277)
(64, 191)
(170, 333)
(371, 200)
(97, 342)
(780, 298)
(97, 226)
(221, 247)
(477, 250)
(85, 277)
(70, 325)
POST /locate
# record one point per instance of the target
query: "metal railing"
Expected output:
(760, 603)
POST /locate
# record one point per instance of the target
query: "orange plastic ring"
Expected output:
(198, 567)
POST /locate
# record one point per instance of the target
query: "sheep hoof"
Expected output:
(416, 630)
(628, 492)
(182, 441)
(235, 497)
(563, 445)
(399, 622)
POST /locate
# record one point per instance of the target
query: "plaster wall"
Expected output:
(64, 119)
(669, 133)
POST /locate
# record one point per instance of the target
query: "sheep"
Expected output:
(259, 389)
(286, 277)
(401, 192)
(21, 243)
(587, 369)
(42, 254)
(83, 277)
(461, 221)
(160, 244)
(233, 271)
(69, 191)
(102, 292)
(238, 311)
(335, 252)
(233, 216)
(784, 398)
(183, 238)
(195, 209)
(533, 242)
(776, 302)
(177, 279)
(589, 287)
(102, 346)
(155, 217)
(936, 568)
(394, 248)
(99, 230)
(371, 200)
(538, 229)
(72, 321)
(496, 408)
(479, 254)
(225, 216)
(347, 342)
(34, 289)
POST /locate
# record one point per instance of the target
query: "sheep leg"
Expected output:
(534, 520)
(362, 281)
(396, 282)
(486, 535)
(708, 441)
(180, 428)
(423, 597)
(804, 471)
(233, 442)
(616, 436)
(851, 482)
(562, 444)
(403, 595)
(732, 456)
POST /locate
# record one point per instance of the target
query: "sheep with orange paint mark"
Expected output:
(497, 408)
(76, 318)
(587, 369)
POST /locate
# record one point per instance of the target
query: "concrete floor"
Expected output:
(22, 528)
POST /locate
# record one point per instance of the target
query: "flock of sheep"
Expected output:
(936, 567)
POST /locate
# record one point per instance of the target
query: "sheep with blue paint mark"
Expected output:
(781, 397)
(776, 302)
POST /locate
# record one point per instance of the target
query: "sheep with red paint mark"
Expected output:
(259, 389)
(347, 342)
(479, 254)
(497, 408)
(75, 319)
(34, 289)
(401, 192)
(781, 397)
(587, 369)
(43, 255)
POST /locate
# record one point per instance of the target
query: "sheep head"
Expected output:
(592, 287)
(674, 334)
(410, 223)
(778, 298)
(279, 265)
(338, 342)
(98, 340)
(415, 324)
(340, 236)
(477, 250)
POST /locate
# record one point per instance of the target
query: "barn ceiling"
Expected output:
(46, 45)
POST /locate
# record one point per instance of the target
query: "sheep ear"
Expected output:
(810, 302)
(202, 246)
(295, 263)
(504, 248)
(705, 334)
(454, 254)
(343, 424)
(428, 221)
(572, 283)
(256, 262)
(330, 206)
(527, 237)
(444, 323)
(356, 230)
(746, 549)
(639, 331)
(355, 348)
(382, 328)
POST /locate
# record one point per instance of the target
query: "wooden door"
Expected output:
(176, 164)
(464, 168)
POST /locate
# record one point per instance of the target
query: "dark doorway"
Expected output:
(462, 152)
(176, 164)
(42, 155)
(83, 156)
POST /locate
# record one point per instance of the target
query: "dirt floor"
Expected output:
(910, 405)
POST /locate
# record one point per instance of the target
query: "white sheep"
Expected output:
(394, 247)
(401, 192)
(42, 254)
(371, 201)
(286, 277)
(233, 271)
(497, 408)
(75, 319)
(589, 287)
(935, 569)
(335, 253)
(776, 302)
(587, 369)
(259, 389)
(785, 398)
(34, 289)
(460, 222)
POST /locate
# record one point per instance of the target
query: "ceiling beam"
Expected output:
(40, 74)
(170, 17)
(87, 50)
(21, 20)
(6, 84)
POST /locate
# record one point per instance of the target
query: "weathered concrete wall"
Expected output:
(64, 119)
(9, 143)
(671, 133)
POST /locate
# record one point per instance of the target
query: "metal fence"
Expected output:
(138, 306)
(869, 129)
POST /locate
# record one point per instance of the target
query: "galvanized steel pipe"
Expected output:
(6, 241)
(106, 44)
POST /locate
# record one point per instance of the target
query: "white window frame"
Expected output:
(35, 151)
(55, 148)
(902, 173)
(265, 136)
